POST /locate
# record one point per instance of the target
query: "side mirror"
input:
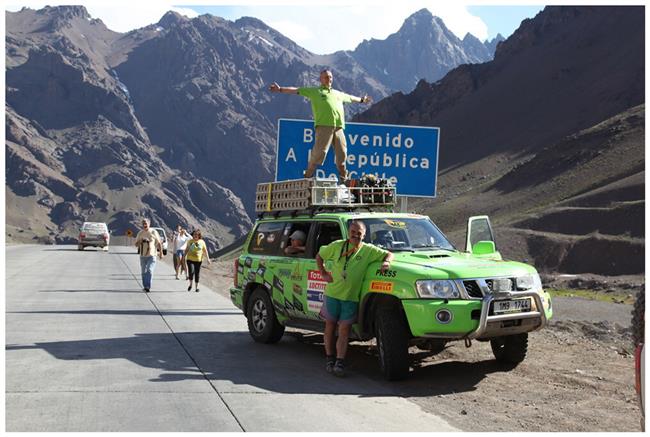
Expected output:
(483, 248)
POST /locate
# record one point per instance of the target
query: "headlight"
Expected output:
(529, 282)
(437, 289)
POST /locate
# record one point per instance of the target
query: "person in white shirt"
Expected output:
(179, 242)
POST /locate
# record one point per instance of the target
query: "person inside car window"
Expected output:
(297, 244)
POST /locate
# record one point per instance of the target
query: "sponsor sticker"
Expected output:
(381, 286)
(314, 300)
(268, 285)
(248, 262)
(261, 270)
(251, 275)
(297, 304)
(387, 273)
(277, 283)
(240, 268)
(284, 273)
(279, 307)
(259, 238)
(395, 224)
(297, 289)
(296, 275)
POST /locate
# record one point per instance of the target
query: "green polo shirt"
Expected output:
(327, 105)
(348, 288)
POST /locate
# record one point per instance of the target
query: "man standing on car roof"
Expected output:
(149, 245)
(329, 120)
(350, 260)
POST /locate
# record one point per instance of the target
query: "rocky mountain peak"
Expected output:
(171, 19)
(493, 43)
(471, 39)
(252, 22)
(423, 22)
(65, 12)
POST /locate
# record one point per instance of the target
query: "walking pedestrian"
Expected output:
(149, 245)
(179, 243)
(329, 121)
(350, 260)
(194, 253)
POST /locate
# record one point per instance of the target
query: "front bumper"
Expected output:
(472, 319)
(96, 242)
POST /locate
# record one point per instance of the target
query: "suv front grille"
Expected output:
(473, 289)
(476, 288)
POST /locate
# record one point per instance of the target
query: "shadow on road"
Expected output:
(294, 365)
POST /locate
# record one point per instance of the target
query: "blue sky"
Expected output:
(503, 19)
(321, 26)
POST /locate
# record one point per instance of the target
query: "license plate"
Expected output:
(511, 306)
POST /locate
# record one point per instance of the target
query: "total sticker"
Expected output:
(381, 286)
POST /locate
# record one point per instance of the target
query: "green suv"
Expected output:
(431, 295)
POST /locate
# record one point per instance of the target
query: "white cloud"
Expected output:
(292, 30)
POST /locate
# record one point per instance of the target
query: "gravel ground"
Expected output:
(578, 374)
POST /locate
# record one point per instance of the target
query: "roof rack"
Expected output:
(318, 210)
(321, 195)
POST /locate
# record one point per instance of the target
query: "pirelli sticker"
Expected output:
(381, 286)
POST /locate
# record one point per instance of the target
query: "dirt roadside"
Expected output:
(578, 375)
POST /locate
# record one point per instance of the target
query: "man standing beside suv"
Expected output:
(350, 260)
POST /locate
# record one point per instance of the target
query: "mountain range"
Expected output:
(173, 121)
(548, 139)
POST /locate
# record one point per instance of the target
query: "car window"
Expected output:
(267, 238)
(94, 227)
(405, 233)
(326, 233)
(300, 249)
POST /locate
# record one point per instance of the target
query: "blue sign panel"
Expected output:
(407, 155)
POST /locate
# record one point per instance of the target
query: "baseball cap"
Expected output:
(298, 235)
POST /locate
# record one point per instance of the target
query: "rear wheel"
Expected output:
(263, 325)
(392, 342)
(510, 349)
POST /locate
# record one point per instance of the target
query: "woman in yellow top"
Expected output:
(194, 253)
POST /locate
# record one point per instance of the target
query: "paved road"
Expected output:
(87, 350)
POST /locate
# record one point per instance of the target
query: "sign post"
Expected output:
(406, 155)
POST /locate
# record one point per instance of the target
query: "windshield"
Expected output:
(94, 227)
(397, 234)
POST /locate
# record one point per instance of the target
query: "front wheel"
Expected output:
(392, 342)
(263, 325)
(510, 349)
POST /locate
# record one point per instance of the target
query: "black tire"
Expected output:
(510, 349)
(393, 342)
(638, 319)
(263, 325)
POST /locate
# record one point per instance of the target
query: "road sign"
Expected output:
(129, 233)
(408, 155)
